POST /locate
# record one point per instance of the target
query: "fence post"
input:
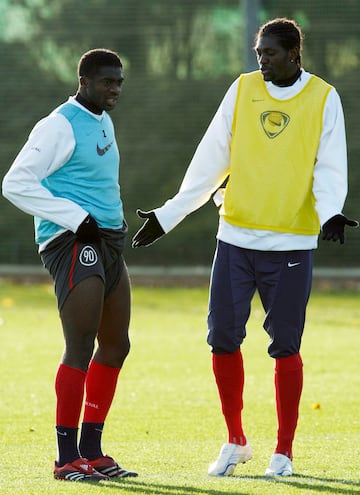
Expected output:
(251, 9)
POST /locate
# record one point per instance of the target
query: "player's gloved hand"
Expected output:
(88, 230)
(149, 232)
(333, 229)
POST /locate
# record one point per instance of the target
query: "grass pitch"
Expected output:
(165, 421)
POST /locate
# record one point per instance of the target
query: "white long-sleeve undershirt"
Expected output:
(210, 166)
(49, 146)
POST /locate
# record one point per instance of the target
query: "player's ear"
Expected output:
(83, 81)
(294, 54)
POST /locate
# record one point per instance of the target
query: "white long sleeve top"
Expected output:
(50, 145)
(210, 166)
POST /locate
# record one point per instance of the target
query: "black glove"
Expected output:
(149, 232)
(88, 230)
(333, 229)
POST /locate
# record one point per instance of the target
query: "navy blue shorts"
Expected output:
(283, 280)
(70, 261)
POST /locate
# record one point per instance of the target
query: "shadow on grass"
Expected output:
(152, 488)
(320, 484)
(328, 485)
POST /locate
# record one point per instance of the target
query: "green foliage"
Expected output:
(166, 420)
(179, 58)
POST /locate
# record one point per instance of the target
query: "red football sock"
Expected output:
(69, 388)
(288, 387)
(229, 375)
(100, 387)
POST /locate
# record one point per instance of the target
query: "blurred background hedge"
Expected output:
(179, 59)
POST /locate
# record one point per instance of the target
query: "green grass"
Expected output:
(165, 421)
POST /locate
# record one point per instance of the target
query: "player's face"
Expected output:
(274, 60)
(102, 90)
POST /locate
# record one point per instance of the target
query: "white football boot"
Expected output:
(280, 465)
(230, 455)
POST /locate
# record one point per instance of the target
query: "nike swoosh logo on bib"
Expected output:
(102, 151)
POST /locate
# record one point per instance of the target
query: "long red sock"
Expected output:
(288, 380)
(69, 388)
(100, 387)
(229, 375)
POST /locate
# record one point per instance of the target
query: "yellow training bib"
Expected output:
(273, 153)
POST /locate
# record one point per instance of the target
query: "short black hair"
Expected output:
(91, 61)
(286, 30)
